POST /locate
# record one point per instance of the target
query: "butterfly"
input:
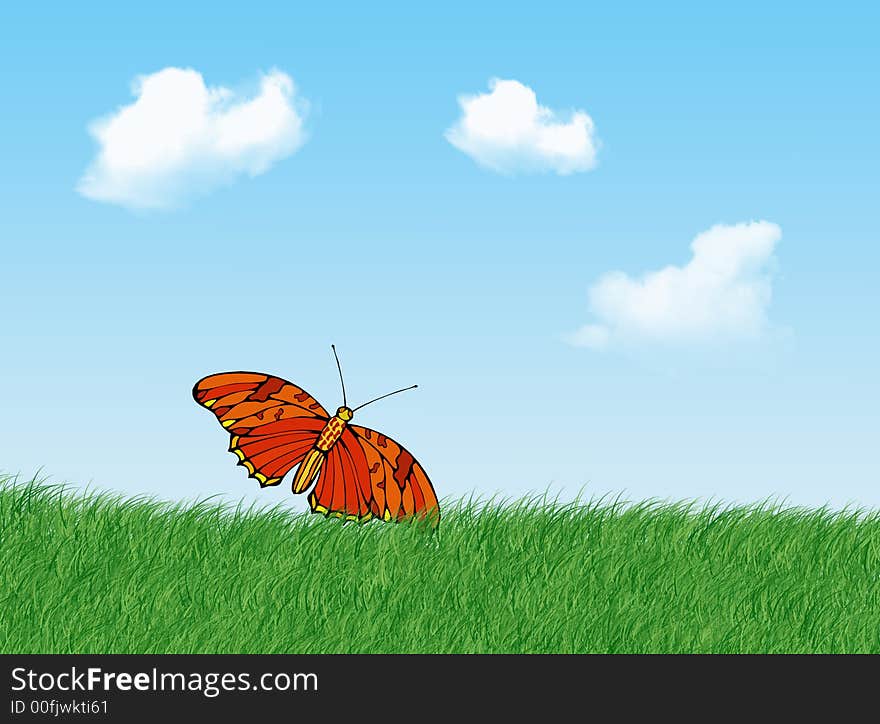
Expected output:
(275, 426)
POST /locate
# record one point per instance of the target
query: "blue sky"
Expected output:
(424, 266)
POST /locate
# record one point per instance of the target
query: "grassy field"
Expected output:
(101, 574)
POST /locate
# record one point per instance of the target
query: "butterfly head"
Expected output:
(345, 413)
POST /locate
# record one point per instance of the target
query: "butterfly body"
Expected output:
(275, 426)
(333, 429)
(314, 459)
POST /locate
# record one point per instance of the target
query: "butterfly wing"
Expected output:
(272, 422)
(343, 484)
(374, 475)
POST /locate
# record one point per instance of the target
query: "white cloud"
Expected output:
(181, 138)
(507, 131)
(721, 293)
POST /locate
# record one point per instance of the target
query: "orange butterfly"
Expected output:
(276, 426)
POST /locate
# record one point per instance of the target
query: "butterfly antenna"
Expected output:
(339, 367)
(382, 397)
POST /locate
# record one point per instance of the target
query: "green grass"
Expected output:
(104, 574)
